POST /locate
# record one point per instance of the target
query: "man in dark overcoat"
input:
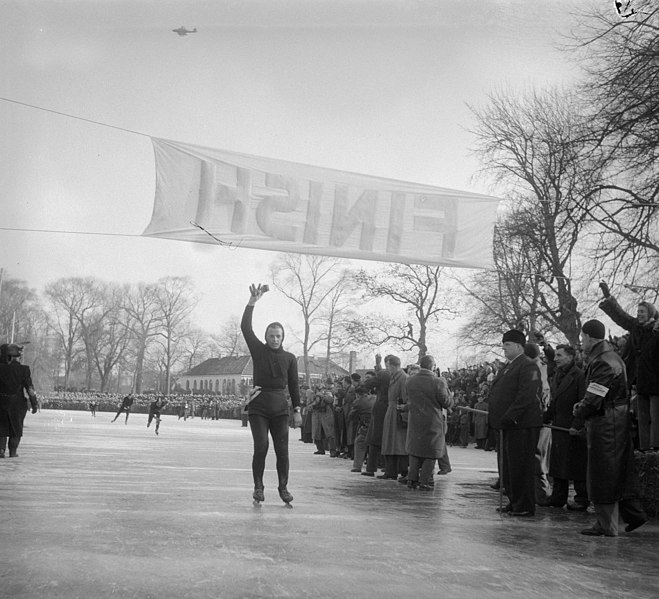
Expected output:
(394, 430)
(569, 455)
(515, 411)
(612, 479)
(427, 395)
(380, 385)
(15, 381)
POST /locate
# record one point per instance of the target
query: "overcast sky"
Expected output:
(376, 87)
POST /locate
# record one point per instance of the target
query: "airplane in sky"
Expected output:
(183, 31)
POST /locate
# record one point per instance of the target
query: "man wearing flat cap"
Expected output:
(515, 410)
(612, 480)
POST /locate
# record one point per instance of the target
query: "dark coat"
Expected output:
(515, 396)
(348, 401)
(605, 408)
(642, 360)
(15, 379)
(394, 434)
(380, 384)
(362, 409)
(569, 454)
(427, 395)
(480, 420)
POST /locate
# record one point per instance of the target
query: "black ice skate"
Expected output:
(258, 496)
(286, 497)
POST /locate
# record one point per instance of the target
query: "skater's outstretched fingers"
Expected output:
(256, 293)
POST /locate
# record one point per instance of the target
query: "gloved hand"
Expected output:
(574, 432)
(34, 409)
(605, 289)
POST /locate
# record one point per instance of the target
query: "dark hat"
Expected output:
(14, 350)
(355, 376)
(515, 336)
(532, 350)
(594, 328)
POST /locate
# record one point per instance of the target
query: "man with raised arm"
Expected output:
(274, 370)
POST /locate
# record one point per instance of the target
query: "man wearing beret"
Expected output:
(612, 479)
(515, 410)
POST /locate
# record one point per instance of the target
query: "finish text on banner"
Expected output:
(269, 204)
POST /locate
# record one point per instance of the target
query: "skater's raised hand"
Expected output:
(256, 293)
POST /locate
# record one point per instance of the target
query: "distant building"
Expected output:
(319, 369)
(224, 376)
(221, 376)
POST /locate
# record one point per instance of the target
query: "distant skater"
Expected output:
(92, 408)
(125, 406)
(274, 370)
(154, 412)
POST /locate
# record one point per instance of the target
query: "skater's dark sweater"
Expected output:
(273, 368)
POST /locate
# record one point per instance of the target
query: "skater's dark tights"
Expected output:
(278, 429)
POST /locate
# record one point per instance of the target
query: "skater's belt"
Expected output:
(273, 389)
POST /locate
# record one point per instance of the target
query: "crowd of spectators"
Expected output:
(185, 406)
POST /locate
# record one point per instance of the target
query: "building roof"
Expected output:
(229, 365)
(242, 365)
(319, 366)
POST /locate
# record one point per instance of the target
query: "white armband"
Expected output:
(597, 389)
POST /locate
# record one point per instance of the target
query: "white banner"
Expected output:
(261, 203)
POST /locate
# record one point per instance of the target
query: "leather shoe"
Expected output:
(496, 486)
(595, 531)
(319, 453)
(577, 507)
(403, 480)
(522, 514)
(356, 470)
(635, 524)
(368, 473)
(505, 509)
(386, 477)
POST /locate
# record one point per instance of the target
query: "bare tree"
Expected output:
(423, 293)
(310, 282)
(141, 304)
(176, 300)
(110, 336)
(537, 147)
(67, 300)
(621, 63)
(230, 340)
(17, 305)
(337, 312)
(23, 321)
(196, 347)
